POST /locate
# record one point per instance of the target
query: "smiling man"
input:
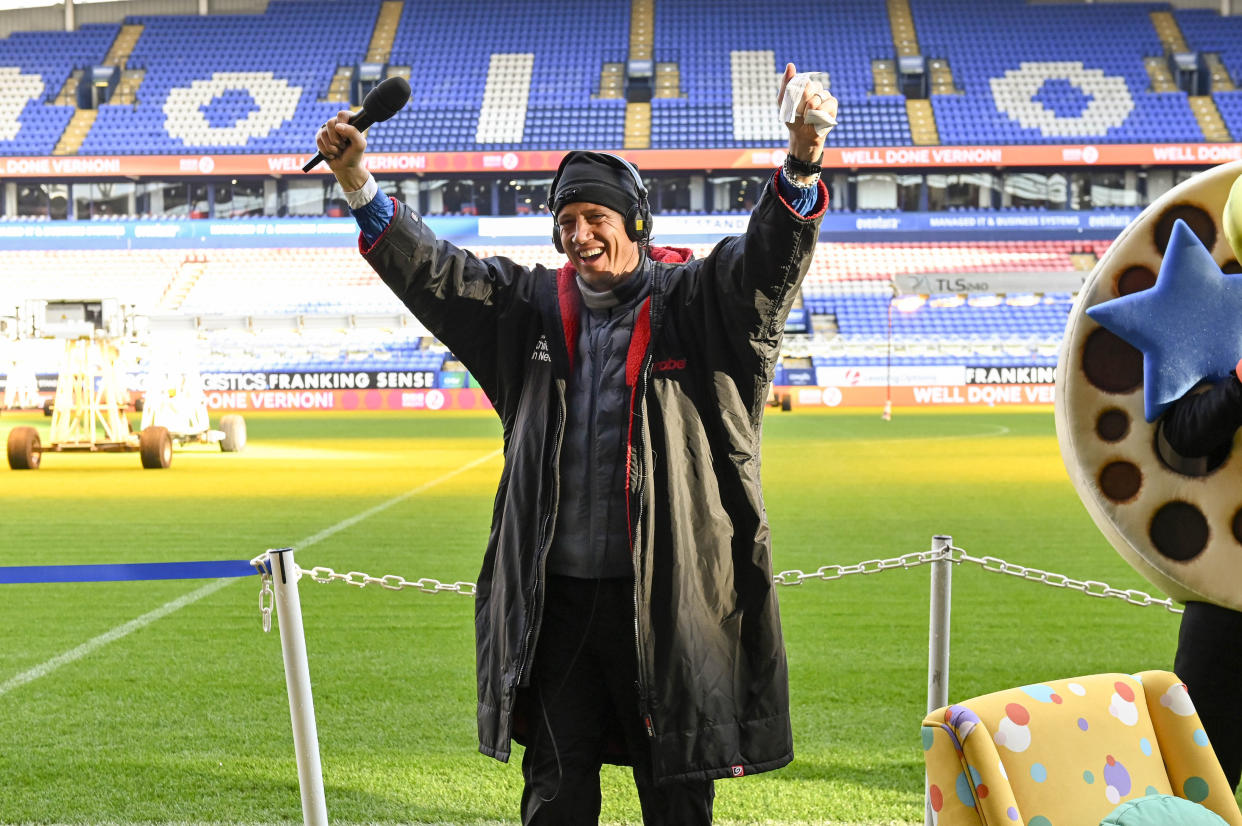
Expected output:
(591, 195)
(625, 611)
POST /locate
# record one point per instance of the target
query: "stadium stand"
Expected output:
(267, 351)
(730, 69)
(1212, 34)
(486, 77)
(847, 295)
(34, 67)
(516, 82)
(286, 281)
(137, 278)
(1032, 74)
(287, 308)
(248, 85)
(537, 69)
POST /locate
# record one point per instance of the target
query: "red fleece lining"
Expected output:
(567, 295)
(361, 241)
(670, 255)
(823, 199)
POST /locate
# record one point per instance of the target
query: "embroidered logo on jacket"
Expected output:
(669, 365)
(540, 353)
(738, 771)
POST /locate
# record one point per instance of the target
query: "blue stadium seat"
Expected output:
(34, 67)
(248, 86)
(1026, 78)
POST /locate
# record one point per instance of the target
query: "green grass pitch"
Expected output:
(119, 704)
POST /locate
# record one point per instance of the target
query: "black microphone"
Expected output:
(380, 104)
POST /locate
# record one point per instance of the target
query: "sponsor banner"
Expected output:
(451, 399)
(990, 282)
(433, 400)
(799, 376)
(1135, 154)
(1011, 375)
(324, 380)
(484, 230)
(717, 226)
(898, 375)
(395, 163)
(960, 395)
(990, 224)
(203, 233)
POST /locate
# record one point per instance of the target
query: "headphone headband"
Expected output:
(637, 222)
(614, 160)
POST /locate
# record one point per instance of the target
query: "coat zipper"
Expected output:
(549, 523)
(638, 527)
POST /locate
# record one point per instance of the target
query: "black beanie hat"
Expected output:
(594, 178)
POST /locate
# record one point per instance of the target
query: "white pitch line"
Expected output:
(92, 645)
(103, 639)
(992, 431)
(382, 506)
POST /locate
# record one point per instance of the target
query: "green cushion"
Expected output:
(1162, 810)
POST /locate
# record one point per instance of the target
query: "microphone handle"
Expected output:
(360, 120)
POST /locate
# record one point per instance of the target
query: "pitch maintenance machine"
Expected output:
(89, 409)
(1177, 524)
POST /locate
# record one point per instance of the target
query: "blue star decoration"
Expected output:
(1188, 326)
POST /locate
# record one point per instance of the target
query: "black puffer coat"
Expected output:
(714, 681)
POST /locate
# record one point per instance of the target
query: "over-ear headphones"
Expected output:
(637, 220)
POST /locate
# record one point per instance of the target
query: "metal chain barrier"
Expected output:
(992, 564)
(392, 582)
(869, 566)
(1090, 587)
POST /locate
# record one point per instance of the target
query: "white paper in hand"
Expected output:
(822, 121)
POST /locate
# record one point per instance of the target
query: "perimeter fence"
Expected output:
(278, 593)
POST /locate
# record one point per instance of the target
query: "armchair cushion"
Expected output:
(1068, 752)
(1162, 810)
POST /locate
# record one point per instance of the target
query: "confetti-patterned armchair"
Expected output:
(1068, 752)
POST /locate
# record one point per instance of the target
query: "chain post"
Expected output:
(938, 625)
(285, 575)
(940, 602)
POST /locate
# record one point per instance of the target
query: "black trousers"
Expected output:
(1209, 661)
(583, 687)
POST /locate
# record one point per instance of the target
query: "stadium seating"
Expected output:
(33, 68)
(1207, 31)
(286, 281)
(137, 278)
(450, 51)
(729, 70)
(530, 80)
(308, 350)
(252, 83)
(851, 285)
(1032, 73)
(299, 298)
